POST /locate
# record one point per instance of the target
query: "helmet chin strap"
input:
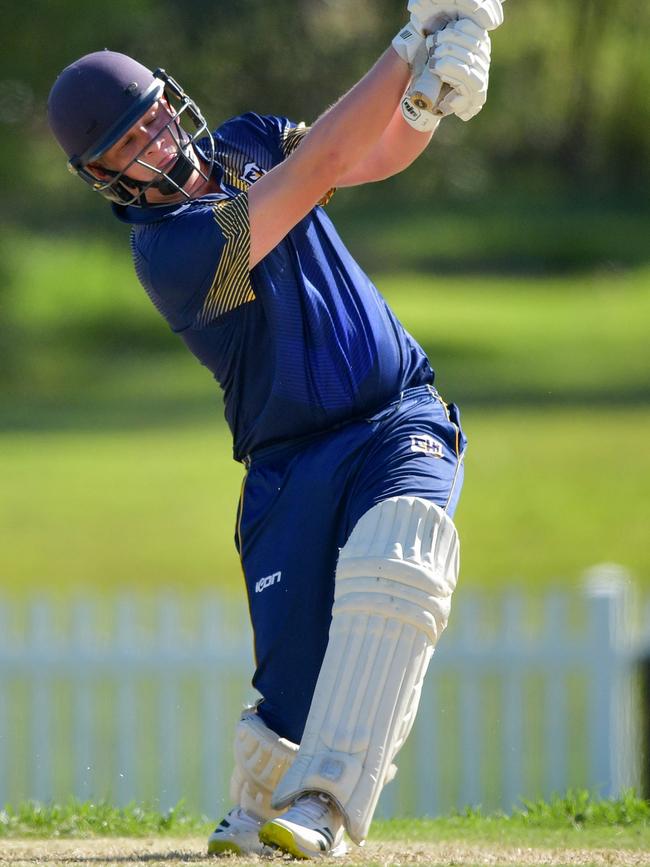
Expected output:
(177, 176)
(169, 184)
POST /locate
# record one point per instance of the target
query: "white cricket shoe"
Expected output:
(311, 828)
(238, 834)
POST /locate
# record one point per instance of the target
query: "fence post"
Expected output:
(44, 645)
(611, 702)
(643, 661)
(125, 651)
(556, 634)
(469, 697)
(214, 740)
(5, 644)
(84, 646)
(512, 611)
(170, 643)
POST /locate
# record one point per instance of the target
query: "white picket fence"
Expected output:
(135, 699)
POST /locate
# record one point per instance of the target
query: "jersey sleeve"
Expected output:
(292, 135)
(251, 144)
(195, 266)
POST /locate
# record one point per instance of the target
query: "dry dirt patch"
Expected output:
(117, 852)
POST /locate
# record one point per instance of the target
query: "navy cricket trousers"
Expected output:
(299, 504)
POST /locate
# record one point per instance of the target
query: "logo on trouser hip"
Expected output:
(268, 581)
(427, 445)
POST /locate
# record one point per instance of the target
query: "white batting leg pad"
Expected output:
(394, 581)
(261, 759)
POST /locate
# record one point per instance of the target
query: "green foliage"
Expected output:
(576, 811)
(86, 818)
(535, 232)
(568, 98)
(575, 820)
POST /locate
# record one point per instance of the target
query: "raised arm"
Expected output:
(364, 136)
(398, 146)
(338, 141)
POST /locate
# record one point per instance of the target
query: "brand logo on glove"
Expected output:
(409, 109)
(427, 445)
(252, 172)
(268, 581)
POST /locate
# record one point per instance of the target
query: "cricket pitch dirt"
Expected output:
(119, 852)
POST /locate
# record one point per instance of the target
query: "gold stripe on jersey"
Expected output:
(233, 161)
(292, 138)
(232, 285)
(232, 171)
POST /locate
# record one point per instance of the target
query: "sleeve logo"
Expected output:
(252, 172)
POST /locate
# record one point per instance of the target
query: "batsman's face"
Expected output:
(149, 141)
(150, 144)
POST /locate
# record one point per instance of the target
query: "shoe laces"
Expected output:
(314, 806)
(238, 814)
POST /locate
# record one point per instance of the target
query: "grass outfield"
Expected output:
(581, 338)
(572, 830)
(548, 493)
(72, 313)
(115, 463)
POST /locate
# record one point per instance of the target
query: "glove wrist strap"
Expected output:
(409, 43)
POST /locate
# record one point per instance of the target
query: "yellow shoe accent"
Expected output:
(223, 847)
(281, 838)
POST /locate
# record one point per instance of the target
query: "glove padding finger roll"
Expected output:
(468, 65)
(427, 16)
(463, 104)
(461, 59)
(464, 32)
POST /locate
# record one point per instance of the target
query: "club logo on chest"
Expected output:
(252, 172)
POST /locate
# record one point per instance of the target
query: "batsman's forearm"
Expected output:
(349, 130)
(340, 139)
(399, 146)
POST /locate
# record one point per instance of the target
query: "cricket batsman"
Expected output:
(354, 463)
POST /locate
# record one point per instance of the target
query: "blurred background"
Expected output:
(516, 250)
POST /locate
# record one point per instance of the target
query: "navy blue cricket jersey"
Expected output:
(301, 343)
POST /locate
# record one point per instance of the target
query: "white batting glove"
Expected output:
(428, 16)
(410, 44)
(420, 105)
(455, 78)
(461, 59)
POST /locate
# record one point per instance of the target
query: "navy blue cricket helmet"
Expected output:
(98, 98)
